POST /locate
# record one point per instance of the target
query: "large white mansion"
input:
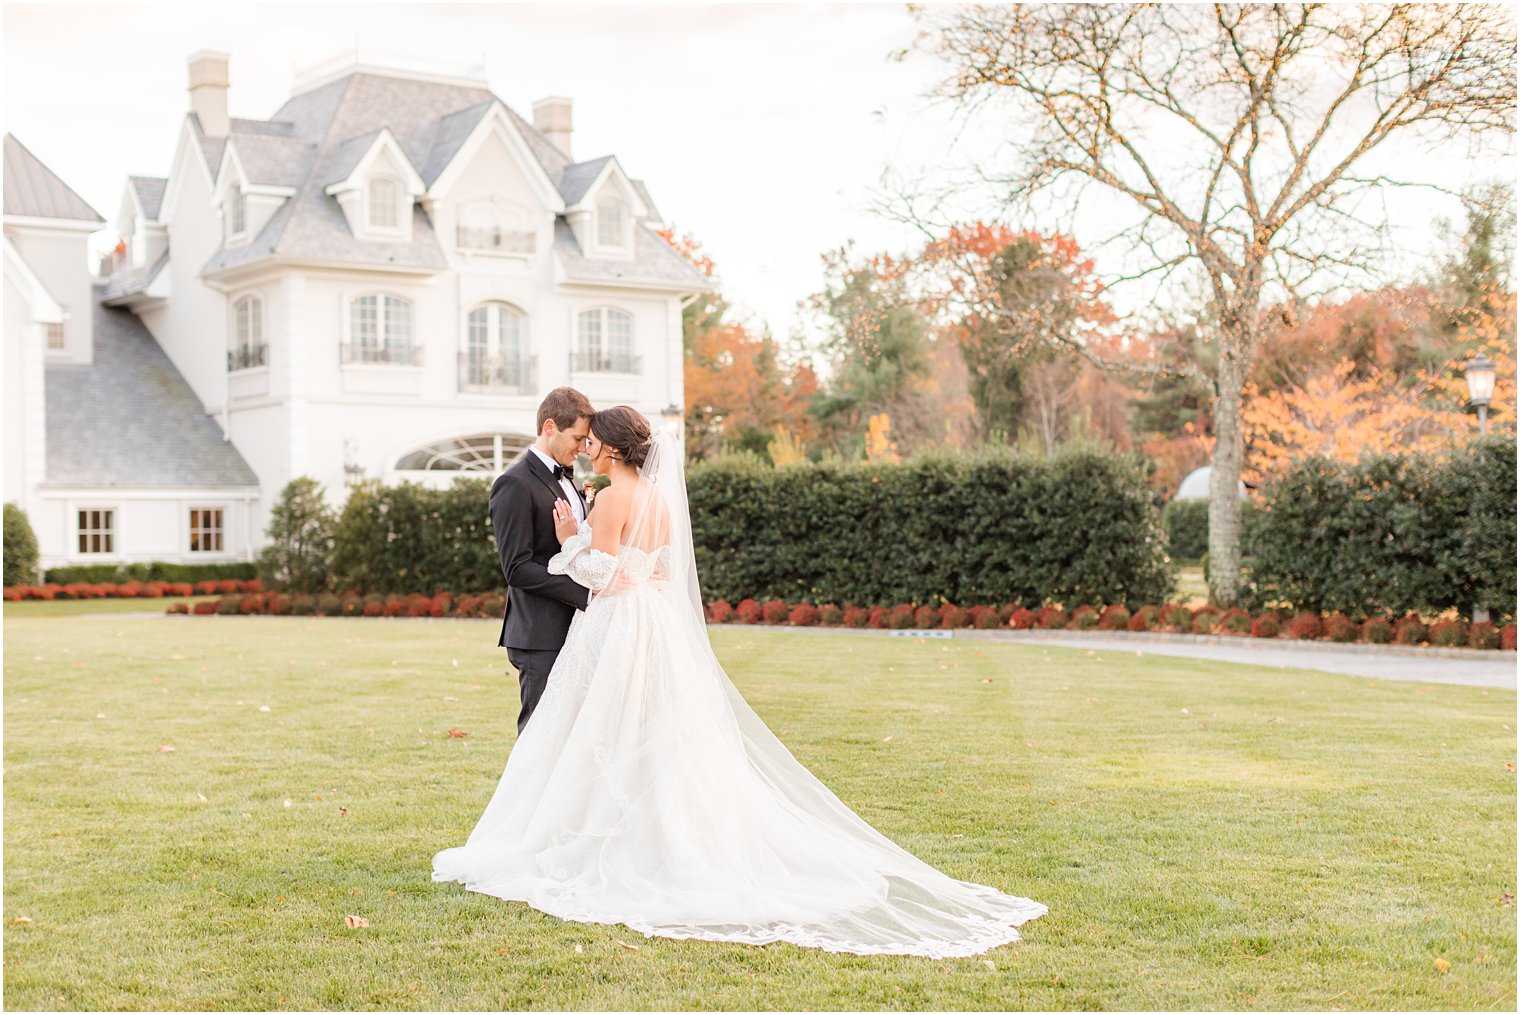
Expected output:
(380, 280)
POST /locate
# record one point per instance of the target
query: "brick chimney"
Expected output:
(551, 118)
(208, 91)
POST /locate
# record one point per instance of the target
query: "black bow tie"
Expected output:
(564, 472)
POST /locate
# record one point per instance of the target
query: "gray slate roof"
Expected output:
(131, 281)
(33, 190)
(318, 136)
(577, 179)
(654, 262)
(129, 418)
(150, 193)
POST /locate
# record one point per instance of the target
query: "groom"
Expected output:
(540, 605)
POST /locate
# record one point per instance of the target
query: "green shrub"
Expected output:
(20, 547)
(1377, 631)
(154, 571)
(408, 538)
(1391, 533)
(998, 527)
(1187, 528)
(300, 539)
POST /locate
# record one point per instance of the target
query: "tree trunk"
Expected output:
(1224, 476)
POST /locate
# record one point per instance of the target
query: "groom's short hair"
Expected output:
(564, 406)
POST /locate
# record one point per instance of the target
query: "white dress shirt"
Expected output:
(564, 483)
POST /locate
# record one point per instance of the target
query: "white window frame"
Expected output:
(239, 341)
(613, 203)
(112, 532)
(603, 320)
(396, 227)
(237, 213)
(220, 530)
(52, 329)
(382, 328)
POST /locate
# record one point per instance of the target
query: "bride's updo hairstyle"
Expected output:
(625, 431)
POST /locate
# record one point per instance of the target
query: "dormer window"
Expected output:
(238, 212)
(383, 200)
(610, 214)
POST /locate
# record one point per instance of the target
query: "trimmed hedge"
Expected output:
(1392, 533)
(1187, 528)
(408, 537)
(1079, 528)
(154, 571)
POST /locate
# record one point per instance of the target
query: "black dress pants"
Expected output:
(533, 666)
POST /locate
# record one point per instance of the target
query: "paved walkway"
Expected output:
(1474, 667)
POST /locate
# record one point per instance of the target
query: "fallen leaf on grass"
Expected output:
(1506, 899)
(342, 812)
(458, 734)
(886, 740)
(1509, 766)
(990, 964)
(22, 919)
(287, 802)
(355, 922)
(263, 708)
(986, 680)
(625, 944)
(201, 797)
(1442, 965)
(579, 950)
(165, 748)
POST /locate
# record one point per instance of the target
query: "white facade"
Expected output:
(344, 362)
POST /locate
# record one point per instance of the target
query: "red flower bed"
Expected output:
(925, 617)
(1265, 626)
(773, 612)
(720, 612)
(803, 615)
(1145, 619)
(830, 615)
(1114, 618)
(1022, 619)
(1449, 633)
(749, 611)
(1507, 638)
(1050, 618)
(1304, 626)
(952, 617)
(855, 616)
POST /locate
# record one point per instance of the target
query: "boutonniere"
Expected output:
(590, 492)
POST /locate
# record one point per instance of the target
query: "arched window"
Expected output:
(238, 212)
(383, 213)
(247, 347)
(488, 452)
(609, 222)
(604, 342)
(380, 330)
(493, 357)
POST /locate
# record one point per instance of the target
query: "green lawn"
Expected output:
(77, 607)
(1206, 836)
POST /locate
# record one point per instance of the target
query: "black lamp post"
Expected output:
(1480, 391)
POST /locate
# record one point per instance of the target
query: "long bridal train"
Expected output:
(646, 792)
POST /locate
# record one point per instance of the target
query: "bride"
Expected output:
(644, 791)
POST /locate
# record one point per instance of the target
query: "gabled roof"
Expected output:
(129, 419)
(150, 194)
(654, 263)
(321, 136)
(32, 190)
(577, 179)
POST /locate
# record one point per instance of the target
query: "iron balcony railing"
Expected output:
(406, 355)
(245, 357)
(479, 373)
(606, 363)
(505, 241)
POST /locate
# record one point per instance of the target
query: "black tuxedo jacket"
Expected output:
(540, 605)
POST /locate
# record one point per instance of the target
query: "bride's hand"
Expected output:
(565, 524)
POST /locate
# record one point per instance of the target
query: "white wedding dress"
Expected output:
(645, 791)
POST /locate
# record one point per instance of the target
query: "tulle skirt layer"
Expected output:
(644, 791)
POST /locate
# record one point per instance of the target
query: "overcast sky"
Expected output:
(762, 130)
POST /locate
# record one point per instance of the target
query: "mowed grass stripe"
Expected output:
(1206, 835)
